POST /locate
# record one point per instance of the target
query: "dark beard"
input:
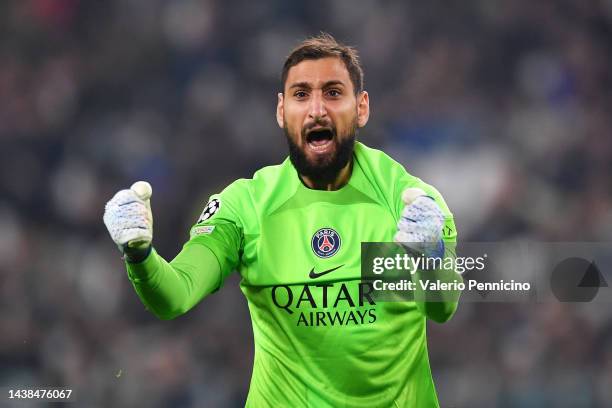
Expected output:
(326, 170)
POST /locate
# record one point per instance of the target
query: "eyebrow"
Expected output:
(307, 85)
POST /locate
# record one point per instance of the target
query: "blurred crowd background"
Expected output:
(503, 105)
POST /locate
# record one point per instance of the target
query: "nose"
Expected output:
(317, 108)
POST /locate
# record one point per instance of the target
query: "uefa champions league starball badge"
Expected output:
(211, 209)
(325, 242)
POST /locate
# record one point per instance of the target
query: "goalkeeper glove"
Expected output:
(129, 221)
(419, 229)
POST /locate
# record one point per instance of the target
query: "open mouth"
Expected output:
(320, 139)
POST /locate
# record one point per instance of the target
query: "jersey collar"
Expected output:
(358, 179)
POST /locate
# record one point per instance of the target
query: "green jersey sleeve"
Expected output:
(439, 311)
(169, 289)
(220, 226)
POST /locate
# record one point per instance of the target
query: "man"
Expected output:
(294, 233)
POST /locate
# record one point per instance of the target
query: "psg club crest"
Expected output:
(325, 242)
(211, 209)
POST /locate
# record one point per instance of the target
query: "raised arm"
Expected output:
(420, 231)
(168, 289)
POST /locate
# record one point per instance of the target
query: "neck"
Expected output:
(340, 181)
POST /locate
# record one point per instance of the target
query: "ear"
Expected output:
(280, 111)
(363, 109)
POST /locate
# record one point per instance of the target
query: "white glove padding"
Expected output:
(128, 216)
(421, 221)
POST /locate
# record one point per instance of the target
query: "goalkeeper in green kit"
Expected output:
(294, 232)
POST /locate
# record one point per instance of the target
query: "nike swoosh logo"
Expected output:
(314, 275)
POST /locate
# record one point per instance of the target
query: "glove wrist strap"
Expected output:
(135, 255)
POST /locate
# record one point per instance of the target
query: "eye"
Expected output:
(334, 93)
(300, 94)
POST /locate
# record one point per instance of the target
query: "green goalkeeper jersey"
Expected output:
(321, 340)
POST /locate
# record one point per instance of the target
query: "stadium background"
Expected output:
(504, 105)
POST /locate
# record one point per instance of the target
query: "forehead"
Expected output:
(319, 71)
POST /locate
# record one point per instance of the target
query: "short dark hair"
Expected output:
(322, 46)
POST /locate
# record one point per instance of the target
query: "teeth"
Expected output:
(319, 142)
(319, 145)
